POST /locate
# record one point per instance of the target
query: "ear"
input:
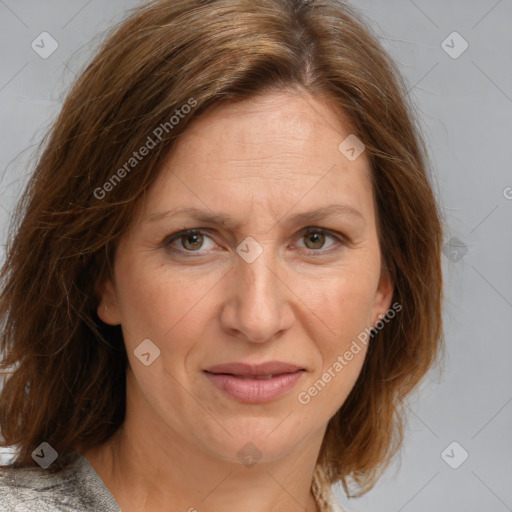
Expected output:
(383, 296)
(108, 309)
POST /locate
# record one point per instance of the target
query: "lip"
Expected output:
(254, 370)
(244, 382)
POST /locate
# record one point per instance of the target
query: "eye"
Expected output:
(190, 241)
(315, 238)
(186, 243)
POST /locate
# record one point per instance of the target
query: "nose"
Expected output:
(258, 304)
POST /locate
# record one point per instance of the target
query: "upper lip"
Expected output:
(255, 370)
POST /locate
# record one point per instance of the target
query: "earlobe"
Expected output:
(108, 310)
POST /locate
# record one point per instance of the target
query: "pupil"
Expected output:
(318, 239)
(196, 237)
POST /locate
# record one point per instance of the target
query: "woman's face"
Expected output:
(268, 285)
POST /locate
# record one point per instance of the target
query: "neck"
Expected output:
(150, 469)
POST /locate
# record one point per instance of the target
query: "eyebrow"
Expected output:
(297, 218)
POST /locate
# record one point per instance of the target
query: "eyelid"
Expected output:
(334, 234)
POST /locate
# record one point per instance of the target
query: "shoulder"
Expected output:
(75, 488)
(33, 488)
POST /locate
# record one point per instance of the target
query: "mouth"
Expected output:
(260, 383)
(265, 370)
(251, 377)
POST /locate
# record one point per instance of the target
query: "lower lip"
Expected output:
(254, 391)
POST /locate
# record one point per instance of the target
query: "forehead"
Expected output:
(287, 124)
(272, 151)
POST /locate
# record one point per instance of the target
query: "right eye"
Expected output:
(190, 240)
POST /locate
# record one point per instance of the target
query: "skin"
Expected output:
(303, 301)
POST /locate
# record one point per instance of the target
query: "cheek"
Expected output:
(161, 303)
(341, 346)
(343, 305)
(343, 301)
(327, 390)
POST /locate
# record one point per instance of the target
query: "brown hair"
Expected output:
(167, 54)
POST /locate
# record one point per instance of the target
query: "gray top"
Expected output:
(78, 488)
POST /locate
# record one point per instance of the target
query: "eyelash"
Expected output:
(304, 232)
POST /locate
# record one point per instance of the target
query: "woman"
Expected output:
(225, 276)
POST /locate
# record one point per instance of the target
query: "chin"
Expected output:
(265, 439)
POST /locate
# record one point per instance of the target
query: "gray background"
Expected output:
(465, 104)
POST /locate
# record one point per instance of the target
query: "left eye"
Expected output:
(317, 237)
